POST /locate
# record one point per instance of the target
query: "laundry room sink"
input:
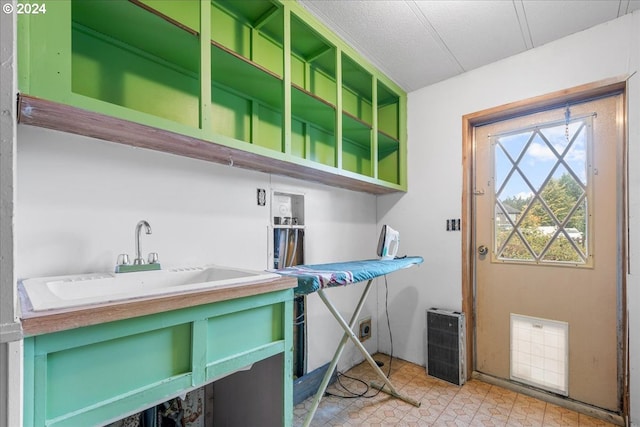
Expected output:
(60, 292)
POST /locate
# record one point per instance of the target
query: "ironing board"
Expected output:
(317, 278)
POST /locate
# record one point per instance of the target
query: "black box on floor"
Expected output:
(446, 345)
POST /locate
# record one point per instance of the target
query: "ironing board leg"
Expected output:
(348, 331)
(338, 353)
(349, 334)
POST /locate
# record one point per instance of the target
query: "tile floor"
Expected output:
(442, 404)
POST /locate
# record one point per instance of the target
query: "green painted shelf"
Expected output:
(313, 62)
(357, 90)
(313, 94)
(243, 77)
(261, 76)
(152, 64)
(386, 143)
(139, 29)
(356, 131)
(309, 108)
(252, 29)
(183, 13)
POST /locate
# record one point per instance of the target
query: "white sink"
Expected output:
(49, 293)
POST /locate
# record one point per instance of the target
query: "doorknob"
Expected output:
(483, 250)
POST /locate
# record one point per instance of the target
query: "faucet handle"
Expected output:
(123, 259)
(153, 258)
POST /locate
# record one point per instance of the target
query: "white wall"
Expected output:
(10, 330)
(79, 199)
(435, 172)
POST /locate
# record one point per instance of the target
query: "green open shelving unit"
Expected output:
(313, 94)
(259, 84)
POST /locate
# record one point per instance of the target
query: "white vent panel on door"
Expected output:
(540, 353)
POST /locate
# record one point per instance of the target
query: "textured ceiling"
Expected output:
(420, 42)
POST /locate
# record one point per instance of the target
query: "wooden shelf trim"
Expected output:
(165, 17)
(313, 95)
(52, 115)
(245, 60)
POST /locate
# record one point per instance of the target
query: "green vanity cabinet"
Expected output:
(263, 83)
(95, 374)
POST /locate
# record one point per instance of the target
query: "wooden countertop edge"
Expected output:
(37, 323)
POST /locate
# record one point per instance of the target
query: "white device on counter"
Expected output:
(388, 243)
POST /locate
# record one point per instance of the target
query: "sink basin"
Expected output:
(50, 293)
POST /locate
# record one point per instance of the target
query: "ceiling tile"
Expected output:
(476, 32)
(420, 42)
(389, 35)
(550, 19)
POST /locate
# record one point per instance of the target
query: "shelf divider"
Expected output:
(287, 110)
(374, 134)
(206, 119)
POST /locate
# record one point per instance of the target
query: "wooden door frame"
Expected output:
(503, 112)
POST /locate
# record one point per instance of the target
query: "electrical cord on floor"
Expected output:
(351, 394)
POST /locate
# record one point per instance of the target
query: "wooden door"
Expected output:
(547, 261)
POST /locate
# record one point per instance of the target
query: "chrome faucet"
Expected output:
(139, 260)
(139, 263)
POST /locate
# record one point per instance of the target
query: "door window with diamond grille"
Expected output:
(542, 193)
